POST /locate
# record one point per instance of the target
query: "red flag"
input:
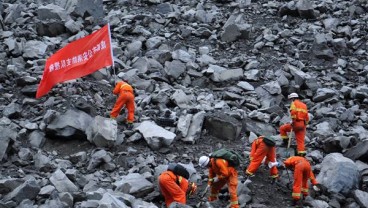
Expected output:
(77, 59)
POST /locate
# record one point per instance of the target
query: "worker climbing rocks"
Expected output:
(126, 98)
(221, 173)
(302, 172)
(175, 187)
(300, 119)
(262, 147)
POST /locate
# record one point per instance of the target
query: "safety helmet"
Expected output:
(203, 161)
(293, 95)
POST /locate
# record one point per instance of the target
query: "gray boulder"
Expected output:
(155, 135)
(62, 183)
(134, 184)
(358, 152)
(28, 190)
(71, 124)
(222, 126)
(102, 132)
(338, 174)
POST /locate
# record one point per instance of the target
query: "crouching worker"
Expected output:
(262, 147)
(174, 184)
(302, 172)
(221, 173)
(126, 98)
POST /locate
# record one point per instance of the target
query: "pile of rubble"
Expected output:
(200, 69)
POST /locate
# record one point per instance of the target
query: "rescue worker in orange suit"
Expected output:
(221, 173)
(302, 172)
(126, 98)
(175, 188)
(262, 147)
(300, 119)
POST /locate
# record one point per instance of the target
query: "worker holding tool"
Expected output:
(262, 147)
(302, 172)
(221, 173)
(300, 120)
(173, 186)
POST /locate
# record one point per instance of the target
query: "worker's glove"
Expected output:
(316, 188)
(192, 188)
(216, 179)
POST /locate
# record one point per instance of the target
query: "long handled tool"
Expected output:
(288, 151)
(202, 195)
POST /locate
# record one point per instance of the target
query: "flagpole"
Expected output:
(112, 55)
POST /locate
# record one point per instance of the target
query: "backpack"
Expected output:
(269, 141)
(178, 169)
(231, 156)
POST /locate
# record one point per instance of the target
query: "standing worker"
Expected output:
(175, 187)
(302, 172)
(126, 97)
(262, 147)
(221, 173)
(300, 119)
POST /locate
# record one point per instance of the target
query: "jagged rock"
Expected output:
(28, 190)
(71, 124)
(98, 158)
(134, 184)
(358, 152)
(338, 174)
(62, 183)
(195, 127)
(102, 132)
(361, 197)
(155, 136)
(222, 126)
(37, 139)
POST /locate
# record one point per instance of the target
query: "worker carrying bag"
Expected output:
(178, 169)
(231, 156)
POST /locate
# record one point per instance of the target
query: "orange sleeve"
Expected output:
(312, 178)
(253, 149)
(272, 154)
(211, 172)
(184, 185)
(116, 90)
(223, 168)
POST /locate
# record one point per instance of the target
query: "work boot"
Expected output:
(297, 203)
(129, 125)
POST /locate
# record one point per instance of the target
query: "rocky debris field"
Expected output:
(207, 74)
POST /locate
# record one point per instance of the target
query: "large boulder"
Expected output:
(102, 132)
(134, 184)
(71, 124)
(155, 135)
(222, 126)
(338, 174)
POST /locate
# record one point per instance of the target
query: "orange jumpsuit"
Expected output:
(226, 174)
(126, 97)
(173, 187)
(258, 152)
(302, 172)
(300, 119)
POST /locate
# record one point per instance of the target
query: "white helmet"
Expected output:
(293, 95)
(203, 161)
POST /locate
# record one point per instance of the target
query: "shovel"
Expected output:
(289, 151)
(202, 199)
